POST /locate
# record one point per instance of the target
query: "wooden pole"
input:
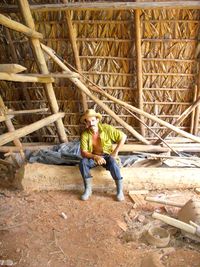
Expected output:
(193, 112)
(11, 127)
(25, 9)
(72, 37)
(14, 25)
(132, 108)
(181, 118)
(152, 117)
(11, 68)
(84, 89)
(29, 111)
(139, 65)
(8, 137)
(25, 78)
(197, 113)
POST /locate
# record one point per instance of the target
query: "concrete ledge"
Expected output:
(39, 176)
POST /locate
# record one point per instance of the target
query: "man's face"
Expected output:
(92, 123)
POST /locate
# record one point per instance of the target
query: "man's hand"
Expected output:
(99, 160)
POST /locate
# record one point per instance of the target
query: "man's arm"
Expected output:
(98, 159)
(119, 146)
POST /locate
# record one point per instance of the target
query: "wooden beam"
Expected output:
(56, 75)
(183, 116)
(139, 66)
(11, 68)
(37, 176)
(10, 126)
(72, 37)
(197, 111)
(5, 117)
(84, 89)
(131, 148)
(14, 25)
(128, 148)
(30, 111)
(193, 112)
(26, 13)
(150, 116)
(25, 78)
(8, 137)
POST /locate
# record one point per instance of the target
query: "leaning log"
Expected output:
(84, 89)
(150, 116)
(8, 137)
(14, 25)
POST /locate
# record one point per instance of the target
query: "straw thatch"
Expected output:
(108, 55)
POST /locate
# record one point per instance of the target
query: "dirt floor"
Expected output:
(99, 232)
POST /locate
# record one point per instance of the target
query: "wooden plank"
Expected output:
(24, 78)
(14, 25)
(11, 68)
(39, 176)
(8, 137)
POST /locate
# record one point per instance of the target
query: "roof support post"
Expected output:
(72, 37)
(25, 10)
(139, 65)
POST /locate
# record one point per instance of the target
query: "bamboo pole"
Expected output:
(25, 10)
(8, 137)
(139, 65)
(72, 37)
(14, 25)
(84, 89)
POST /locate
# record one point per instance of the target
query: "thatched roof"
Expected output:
(143, 53)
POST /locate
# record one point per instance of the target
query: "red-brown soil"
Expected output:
(100, 232)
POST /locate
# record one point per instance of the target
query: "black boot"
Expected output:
(120, 194)
(88, 189)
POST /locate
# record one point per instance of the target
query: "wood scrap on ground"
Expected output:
(138, 196)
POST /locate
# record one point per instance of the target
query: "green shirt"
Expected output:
(108, 135)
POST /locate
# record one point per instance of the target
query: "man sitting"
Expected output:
(96, 149)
